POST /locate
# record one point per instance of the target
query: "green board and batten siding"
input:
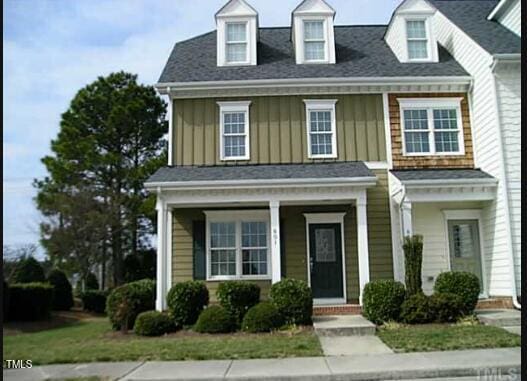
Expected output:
(278, 129)
(294, 240)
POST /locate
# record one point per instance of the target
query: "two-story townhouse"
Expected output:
(309, 151)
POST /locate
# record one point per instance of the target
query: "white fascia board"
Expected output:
(163, 87)
(279, 183)
(498, 9)
(413, 184)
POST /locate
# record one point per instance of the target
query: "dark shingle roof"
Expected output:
(440, 174)
(354, 169)
(471, 17)
(360, 52)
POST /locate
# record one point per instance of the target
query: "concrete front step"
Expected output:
(500, 318)
(343, 325)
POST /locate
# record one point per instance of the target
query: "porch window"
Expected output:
(238, 245)
(417, 39)
(234, 130)
(431, 128)
(236, 43)
(321, 128)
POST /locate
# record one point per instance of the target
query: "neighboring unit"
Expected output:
(310, 151)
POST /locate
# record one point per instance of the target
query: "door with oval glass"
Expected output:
(465, 251)
(325, 251)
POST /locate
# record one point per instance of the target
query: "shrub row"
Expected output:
(455, 295)
(30, 301)
(94, 300)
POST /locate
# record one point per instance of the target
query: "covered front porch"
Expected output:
(311, 225)
(447, 207)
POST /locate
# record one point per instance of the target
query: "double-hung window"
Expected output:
(417, 40)
(431, 127)
(238, 244)
(314, 41)
(321, 128)
(234, 130)
(236, 42)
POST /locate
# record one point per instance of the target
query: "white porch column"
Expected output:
(406, 212)
(274, 207)
(161, 272)
(362, 243)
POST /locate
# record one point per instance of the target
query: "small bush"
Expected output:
(153, 323)
(413, 260)
(215, 319)
(30, 301)
(186, 300)
(463, 284)
(28, 270)
(294, 300)
(94, 300)
(127, 301)
(382, 300)
(237, 297)
(446, 307)
(416, 310)
(263, 317)
(63, 296)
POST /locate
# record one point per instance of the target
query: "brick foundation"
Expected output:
(347, 309)
(495, 303)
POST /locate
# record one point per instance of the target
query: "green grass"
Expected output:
(93, 340)
(436, 337)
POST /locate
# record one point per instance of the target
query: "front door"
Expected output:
(465, 252)
(325, 251)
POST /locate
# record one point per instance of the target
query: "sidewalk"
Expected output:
(474, 363)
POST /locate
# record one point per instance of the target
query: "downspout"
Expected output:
(504, 188)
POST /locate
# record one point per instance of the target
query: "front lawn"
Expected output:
(93, 340)
(444, 337)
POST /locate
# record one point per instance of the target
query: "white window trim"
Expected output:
(429, 39)
(237, 216)
(321, 105)
(242, 106)
(430, 104)
(324, 30)
(246, 42)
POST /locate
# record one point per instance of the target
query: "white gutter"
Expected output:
(313, 82)
(439, 182)
(245, 184)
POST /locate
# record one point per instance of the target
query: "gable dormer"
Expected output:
(237, 34)
(410, 33)
(312, 32)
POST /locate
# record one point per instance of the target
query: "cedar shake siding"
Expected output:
(278, 129)
(294, 249)
(433, 161)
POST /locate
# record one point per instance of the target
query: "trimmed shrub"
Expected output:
(30, 301)
(28, 270)
(5, 300)
(416, 310)
(94, 300)
(153, 323)
(186, 300)
(215, 319)
(294, 300)
(463, 284)
(382, 300)
(91, 282)
(127, 301)
(237, 297)
(63, 296)
(263, 317)
(413, 261)
(446, 307)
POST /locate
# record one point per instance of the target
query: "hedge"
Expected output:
(382, 300)
(263, 317)
(293, 299)
(237, 297)
(28, 270)
(186, 300)
(461, 283)
(127, 301)
(153, 323)
(215, 319)
(30, 301)
(413, 260)
(94, 300)
(416, 310)
(63, 296)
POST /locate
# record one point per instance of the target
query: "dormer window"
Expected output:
(237, 34)
(312, 33)
(417, 39)
(236, 42)
(314, 41)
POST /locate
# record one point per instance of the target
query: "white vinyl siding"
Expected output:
(511, 19)
(487, 150)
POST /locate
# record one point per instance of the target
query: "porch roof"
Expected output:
(185, 175)
(421, 176)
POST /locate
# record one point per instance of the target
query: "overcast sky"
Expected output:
(52, 48)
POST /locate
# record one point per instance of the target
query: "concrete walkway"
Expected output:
(509, 320)
(409, 366)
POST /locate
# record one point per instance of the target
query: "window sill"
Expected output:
(243, 277)
(430, 154)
